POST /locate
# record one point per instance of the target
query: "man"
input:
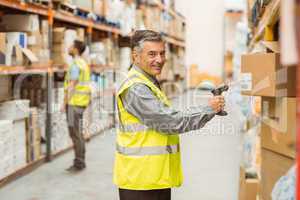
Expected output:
(77, 98)
(147, 159)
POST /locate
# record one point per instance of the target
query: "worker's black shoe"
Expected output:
(75, 169)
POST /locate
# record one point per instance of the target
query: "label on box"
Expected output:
(246, 81)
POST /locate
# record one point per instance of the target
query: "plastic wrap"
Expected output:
(285, 188)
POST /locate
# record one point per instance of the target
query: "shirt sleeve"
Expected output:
(74, 72)
(141, 102)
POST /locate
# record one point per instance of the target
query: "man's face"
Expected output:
(72, 51)
(152, 57)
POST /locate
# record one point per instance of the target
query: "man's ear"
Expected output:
(135, 56)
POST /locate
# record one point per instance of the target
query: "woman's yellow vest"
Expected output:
(145, 159)
(82, 93)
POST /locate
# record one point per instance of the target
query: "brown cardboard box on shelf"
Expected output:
(248, 187)
(83, 4)
(29, 57)
(5, 88)
(34, 38)
(44, 26)
(58, 58)
(273, 167)
(2, 48)
(33, 137)
(58, 48)
(62, 1)
(58, 35)
(20, 23)
(263, 75)
(152, 21)
(278, 128)
(80, 34)
(44, 34)
(98, 7)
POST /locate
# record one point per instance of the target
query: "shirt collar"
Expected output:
(152, 78)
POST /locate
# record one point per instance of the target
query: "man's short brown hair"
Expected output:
(141, 36)
(80, 46)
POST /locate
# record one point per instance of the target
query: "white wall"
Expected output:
(205, 43)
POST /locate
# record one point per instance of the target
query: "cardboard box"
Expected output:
(15, 41)
(248, 187)
(273, 167)
(58, 58)
(34, 38)
(278, 129)
(5, 88)
(83, 4)
(30, 57)
(44, 26)
(63, 1)
(2, 48)
(58, 35)
(59, 48)
(20, 23)
(98, 7)
(33, 137)
(14, 110)
(262, 75)
(80, 34)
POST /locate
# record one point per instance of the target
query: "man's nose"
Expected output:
(159, 58)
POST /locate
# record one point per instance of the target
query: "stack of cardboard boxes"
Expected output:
(33, 136)
(150, 16)
(33, 88)
(24, 39)
(12, 44)
(63, 39)
(13, 115)
(5, 88)
(263, 75)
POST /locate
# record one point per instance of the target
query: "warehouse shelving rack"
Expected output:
(170, 11)
(48, 69)
(265, 26)
(264, 30)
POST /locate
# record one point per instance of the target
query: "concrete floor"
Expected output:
(210, 159)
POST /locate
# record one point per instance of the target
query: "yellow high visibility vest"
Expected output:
(82, 93)
(145, 159)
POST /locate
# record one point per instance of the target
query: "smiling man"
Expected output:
(147, 159)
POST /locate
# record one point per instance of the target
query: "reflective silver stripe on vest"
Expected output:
(133, 128)
(82, 92)
(145, 151)
(84, 83)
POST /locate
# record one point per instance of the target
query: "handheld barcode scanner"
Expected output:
(217, 92)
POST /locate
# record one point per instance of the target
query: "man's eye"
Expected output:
(152, 54)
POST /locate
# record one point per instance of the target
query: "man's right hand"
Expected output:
(217, 103)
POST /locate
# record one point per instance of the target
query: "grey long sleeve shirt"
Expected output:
(141, 102)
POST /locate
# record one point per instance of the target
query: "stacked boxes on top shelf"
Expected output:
(63, 39)
(162, 21)
(24, 39)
